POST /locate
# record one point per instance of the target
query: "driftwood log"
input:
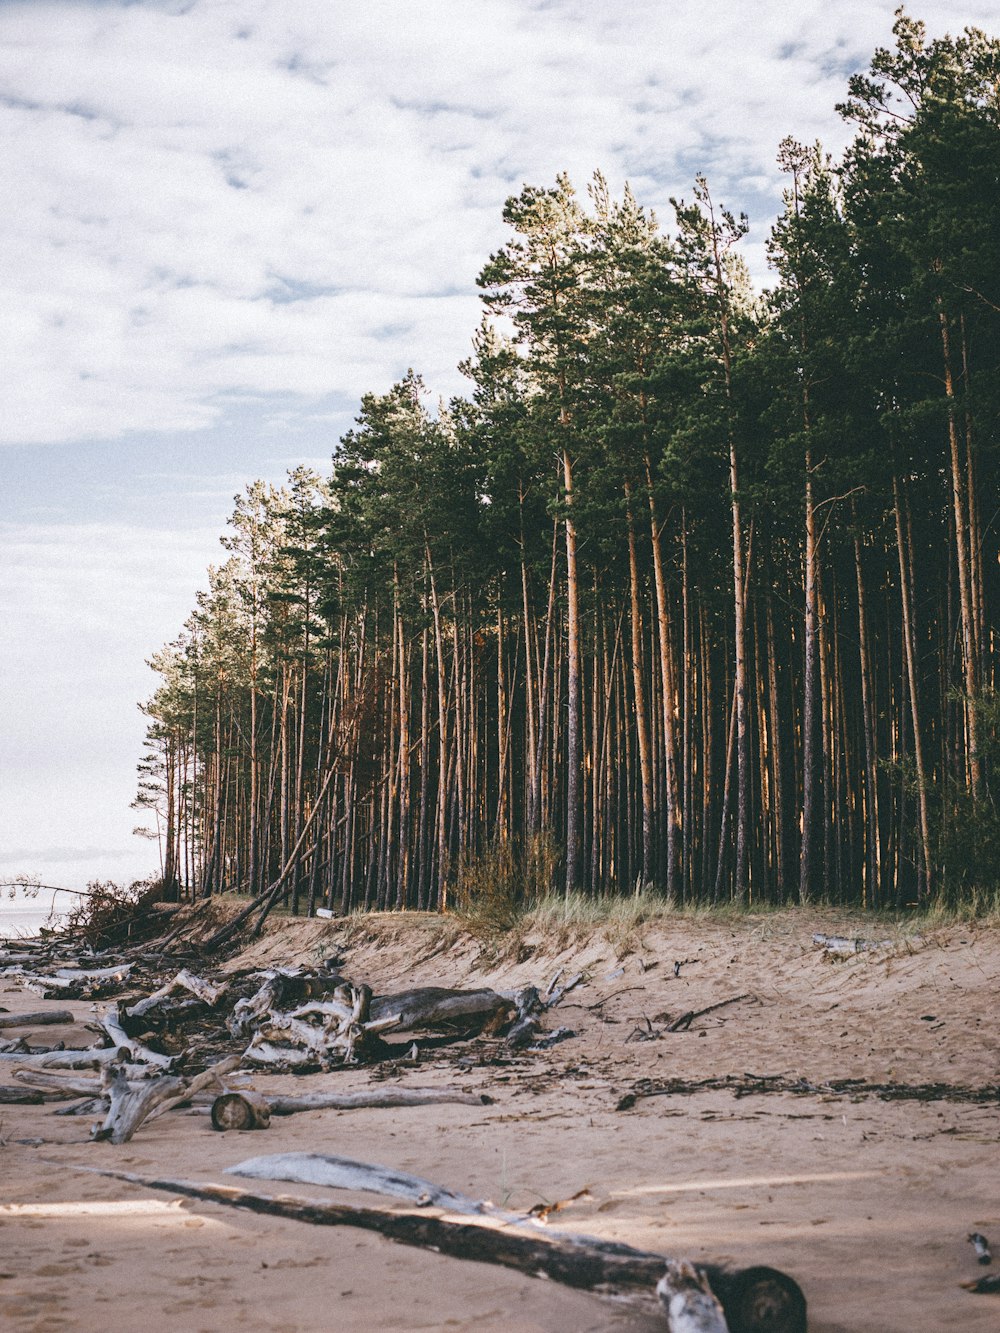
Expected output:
(304, 1168)
(68, 983)
(59, 1084)
(185, 995)
(210, 1080)
(244, 1109)
(112, 1025)
(343, 1024)
(755, 1300)
(240, 1110)
(46, 1018)
(90, 1058)
(689, 1302)
(22, 1096)
(840, 944)
(350, 1101)
(131, 1104)
(437, 1006)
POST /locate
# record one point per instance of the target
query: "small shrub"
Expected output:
(490, 895)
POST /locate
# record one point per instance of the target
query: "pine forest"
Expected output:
(694, 592)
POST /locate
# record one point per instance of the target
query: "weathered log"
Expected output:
(116, 972)
(112, 1025)
(240, 1110)
(839, 944)
(689, 1302)
(207, 992)
(262, 1052)
(435, 1006)
(90, 1106)
(278, 992)
(305, 1168)
(20, 1096)
(45, 1018)
(92, 1057)
(755, 1300)
(349, 1101)
(346, 1034)
(131, 1104)
(58, 1084)
(210, 1079)
(68, 983)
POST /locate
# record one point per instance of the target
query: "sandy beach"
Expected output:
(865, 1202)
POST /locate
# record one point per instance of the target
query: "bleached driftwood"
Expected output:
(282, 990)
(89, 1106)
(207, 992)
(210, 1080)
(70, 983)
(344, 1034)
(150, 1098)
(267, 1054)
(336, 1022)
(116, 972)
(65, 1085)
(841, 945)
(91, 1057)
(304, 1168)
(529, 1007)
(688, 1301)
(46, 1018)
(555, 993)
(243, 1109)
(349, 1101)
(112, 1025)
(132, 1103)
(755, 1300)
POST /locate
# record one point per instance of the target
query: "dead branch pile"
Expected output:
(177, 1038)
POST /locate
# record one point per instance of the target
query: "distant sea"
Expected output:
(22, 916)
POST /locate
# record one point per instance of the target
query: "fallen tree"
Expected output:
(252, 1110)
(755, 1300)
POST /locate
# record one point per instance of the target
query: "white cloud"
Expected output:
(176, 173)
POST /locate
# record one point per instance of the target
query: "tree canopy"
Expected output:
(696, 589)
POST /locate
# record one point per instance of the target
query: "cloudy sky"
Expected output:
(222, 221)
